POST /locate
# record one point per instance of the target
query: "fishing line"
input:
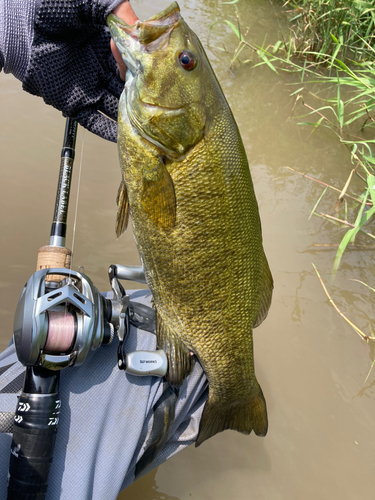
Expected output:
(56, 326)
(61, 326)
(77, 198)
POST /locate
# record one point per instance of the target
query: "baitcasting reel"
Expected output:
(58, 323)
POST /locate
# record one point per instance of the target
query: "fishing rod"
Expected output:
(59, 318)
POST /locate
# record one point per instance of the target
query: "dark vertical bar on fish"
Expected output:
(58, 228)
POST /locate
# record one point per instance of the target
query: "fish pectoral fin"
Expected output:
(242, 416)
(180, 361)
(158, 197)
(122, 217)
(265, 293)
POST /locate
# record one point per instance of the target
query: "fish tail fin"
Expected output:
(242, 416)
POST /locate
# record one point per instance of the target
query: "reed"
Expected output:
(332, 27)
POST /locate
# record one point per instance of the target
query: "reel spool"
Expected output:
(56, 325)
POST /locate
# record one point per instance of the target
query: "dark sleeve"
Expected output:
(16, 35)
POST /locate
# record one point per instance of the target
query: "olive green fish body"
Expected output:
(195, 220)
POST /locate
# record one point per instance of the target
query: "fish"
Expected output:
(187, 188)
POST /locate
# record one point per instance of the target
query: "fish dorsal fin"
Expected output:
(158, 197)
(265, 293)
(122, 217)
(180, 361)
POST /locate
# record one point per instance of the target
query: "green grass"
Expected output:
(332, 27)
(347, 119)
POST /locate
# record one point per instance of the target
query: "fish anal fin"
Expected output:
(180, 361)
(242, 416)
(122, 217)
(158, 197)
(265, 293)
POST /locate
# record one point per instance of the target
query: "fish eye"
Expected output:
(187, 60)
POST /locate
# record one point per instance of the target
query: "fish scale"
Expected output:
(195, 217)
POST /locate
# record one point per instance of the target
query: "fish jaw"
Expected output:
(126, 44)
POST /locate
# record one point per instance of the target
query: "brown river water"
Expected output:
(310, 363)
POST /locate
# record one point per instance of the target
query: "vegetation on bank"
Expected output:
(332, 27)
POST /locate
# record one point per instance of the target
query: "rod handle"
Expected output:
(50, 257)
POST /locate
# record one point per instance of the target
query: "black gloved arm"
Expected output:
(69, 62)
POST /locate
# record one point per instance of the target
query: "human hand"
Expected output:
(71, 63)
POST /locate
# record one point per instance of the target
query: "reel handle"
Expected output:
(145, 363)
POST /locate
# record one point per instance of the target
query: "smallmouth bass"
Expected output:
(187, 186)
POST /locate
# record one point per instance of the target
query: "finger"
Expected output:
(120, 63)
(125, 12)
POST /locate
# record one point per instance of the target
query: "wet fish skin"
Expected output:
(187, 183)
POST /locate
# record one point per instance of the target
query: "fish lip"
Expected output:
(166, 14)
(118, 26)
(167, 17)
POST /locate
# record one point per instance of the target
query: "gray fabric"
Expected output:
(60, 50)
(106, 420)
